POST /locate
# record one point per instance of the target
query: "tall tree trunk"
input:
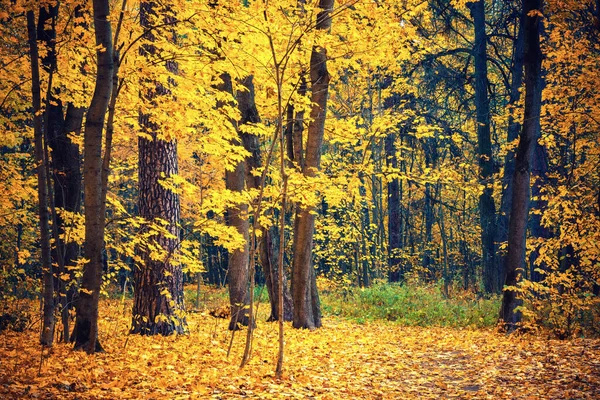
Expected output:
(86, 322)
(307, 310)
(515, 259)
(396, 270)
(158, 283)
(47, 334)
(509, 161)
(487, 210)
(249, 114)
(65, 162)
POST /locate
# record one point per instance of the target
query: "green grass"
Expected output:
(411, 305)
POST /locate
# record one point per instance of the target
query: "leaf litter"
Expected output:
(378, 360)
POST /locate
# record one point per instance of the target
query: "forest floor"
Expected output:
(342, 360)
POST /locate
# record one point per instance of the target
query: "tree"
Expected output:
(509, 161)
(47, 334)
(396, 273)
(86, 323)
(65, 162)
(158, 281)
(487, 210)
(515, 259)
(307, 309)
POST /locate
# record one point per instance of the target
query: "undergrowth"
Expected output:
(411, 305)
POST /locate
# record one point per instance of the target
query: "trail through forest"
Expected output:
(340, 361)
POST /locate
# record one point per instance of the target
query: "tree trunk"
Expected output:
(158, 294)
(396, 270)
(487, 210)
(47, 334)
(307, 310)
(539, 171)
(86, 323)
(158, 283)
(515, 259)
(509, 161)
(65, 162)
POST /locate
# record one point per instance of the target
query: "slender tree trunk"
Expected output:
(86, 323)
(47, 334)
(307, 310)
(158, 283)
(237, 217)
(396, 271)
(487, 210)
(65, 163)
(509, 161)
(515, 259)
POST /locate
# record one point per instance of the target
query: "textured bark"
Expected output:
(158, 283)
(307, 310)
(487, 209)
(509, 161)
(47, 334)
(515, 259)
(158, 294)
(86, 323)
(396, 270)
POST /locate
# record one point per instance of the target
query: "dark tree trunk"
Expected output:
(515, 259)
(86, 323)
(509, 161)
(65, 167)
(158, 283)
(396, 270)
(431, 161)
(487, 210)
(158, 294)
(47, 334)
(539, 172)
(307, 310)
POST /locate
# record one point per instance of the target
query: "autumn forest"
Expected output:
(299, 198)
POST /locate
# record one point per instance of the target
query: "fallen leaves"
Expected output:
(341, 360)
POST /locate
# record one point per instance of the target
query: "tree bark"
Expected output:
(158, 291)
(509, 161)
(396, 270)
(307, 310)
(158, 283)
(487, 210)
(48, 323)
(86, 323)
(515, 259)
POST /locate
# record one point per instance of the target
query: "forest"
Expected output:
(299, 198)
